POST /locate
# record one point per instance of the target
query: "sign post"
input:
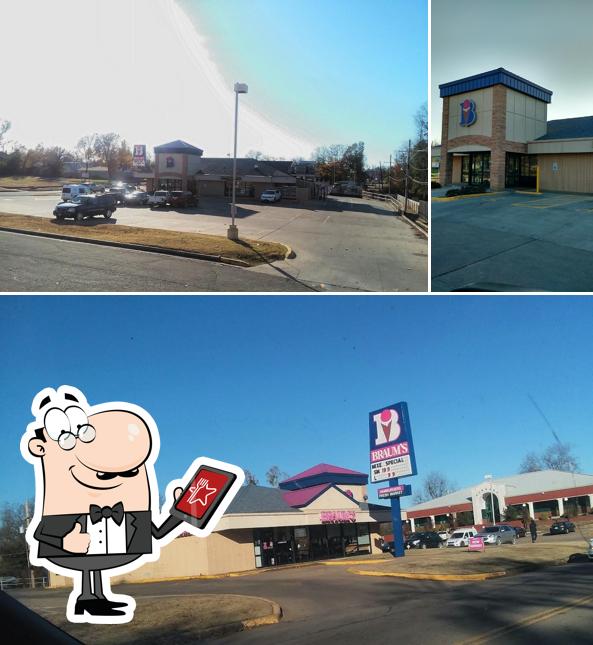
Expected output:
(392, 456)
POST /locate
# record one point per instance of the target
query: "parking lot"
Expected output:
(512, 241)
(341, 243)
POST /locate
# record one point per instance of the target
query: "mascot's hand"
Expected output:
(76, 541)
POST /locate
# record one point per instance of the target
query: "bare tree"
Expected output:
(250, 478)
(86, 148)
(4, 128)
(106, 147)
(558, 456)
(435, 485)
(275, 475)
(531, 463)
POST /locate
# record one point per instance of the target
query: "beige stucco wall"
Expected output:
(556, 146)
(483, 124)
(230, 551)
(211, 188)
(574, 172)
(526, 117)
(332, 500)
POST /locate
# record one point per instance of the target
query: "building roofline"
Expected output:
(499, 76)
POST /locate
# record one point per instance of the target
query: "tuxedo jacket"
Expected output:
(139, 532)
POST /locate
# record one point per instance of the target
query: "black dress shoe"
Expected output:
(96, 608)
(112, 603)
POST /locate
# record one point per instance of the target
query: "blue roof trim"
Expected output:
(325, 478)
(498, 76)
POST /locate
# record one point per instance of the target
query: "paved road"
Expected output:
(516, 241)
(342, 243)
(29, 263)
(330, 605)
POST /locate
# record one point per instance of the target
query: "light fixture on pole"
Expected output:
(489, 477)
(233, 231)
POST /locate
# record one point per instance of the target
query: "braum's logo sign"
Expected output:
(468, 112)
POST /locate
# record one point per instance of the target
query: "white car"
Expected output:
(590, 551)
(159, 198)
(270, 196)
(461, 537)
(70, 191)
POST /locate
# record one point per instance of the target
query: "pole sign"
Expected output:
(401, 490)
(392, 449)
(392, 456)
(139, 157)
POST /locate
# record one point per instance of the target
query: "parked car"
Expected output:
(460, 537)
(444, 535)
(498, 535)
(519, 530)
(386, 544)
(159, 198)
(270, 196)
(95, 188)
(70, 191)
(86, 206)
(136, 198)
(562, 527)
(119, 193)
(590, 550)
(182, 199)
(424, 540)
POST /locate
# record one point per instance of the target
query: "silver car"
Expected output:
(498, 535)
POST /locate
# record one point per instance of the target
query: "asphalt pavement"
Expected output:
(324, 604)
(513, 242)
(29, 263)
(341, 243)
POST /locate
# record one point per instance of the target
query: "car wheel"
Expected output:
(498, 541)
(423, 546)
(441, 545)
(79, 217)
(108, 213)
(514, 541)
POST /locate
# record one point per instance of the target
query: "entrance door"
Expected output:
(475, 168)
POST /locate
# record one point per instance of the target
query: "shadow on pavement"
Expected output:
(92, 221)
(277, 269)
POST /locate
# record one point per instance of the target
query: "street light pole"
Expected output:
(491, 498)
(233, 231)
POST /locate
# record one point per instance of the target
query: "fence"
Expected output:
(417, 211)
(10, 582)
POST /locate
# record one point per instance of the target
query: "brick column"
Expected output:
(499, 125)
(446, 165)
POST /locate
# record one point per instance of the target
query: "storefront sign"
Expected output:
(337, 517)
(468, 112)
(170, 162)
(401, 490)
(476, 544)
(139, 157)
(392, 450)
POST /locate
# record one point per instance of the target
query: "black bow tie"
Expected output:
(116, 512)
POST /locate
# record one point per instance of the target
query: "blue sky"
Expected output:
(341, 71)
(289, 381)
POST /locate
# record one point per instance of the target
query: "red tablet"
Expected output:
(203, 495)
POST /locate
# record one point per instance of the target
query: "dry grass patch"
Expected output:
(165, 621)
(250, 251)
(35, 182)
(507, 557)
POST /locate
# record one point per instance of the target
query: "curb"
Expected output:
(433, 576)
(241, 625)
(419, 228)
(456, 197)
(134, 247)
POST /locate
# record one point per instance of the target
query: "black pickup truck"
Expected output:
(86, 206)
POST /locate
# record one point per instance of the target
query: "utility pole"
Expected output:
(381, 174)
(389, 177)
(407, 175)
(31, 572)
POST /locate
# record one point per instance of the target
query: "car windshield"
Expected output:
(456, 536)
(491, 529)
